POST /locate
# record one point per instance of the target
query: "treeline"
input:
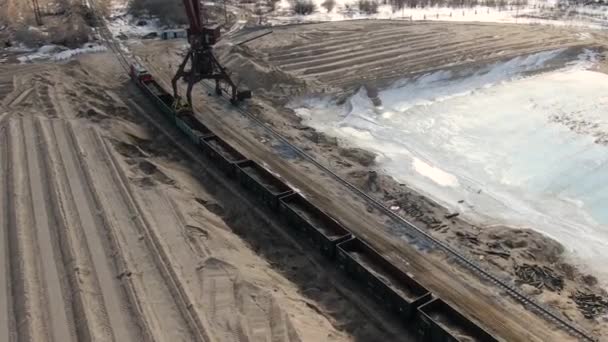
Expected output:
(455, 3)
(371, 6)
(400, 4)
(568, 3)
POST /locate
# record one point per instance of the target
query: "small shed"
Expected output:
(173, 34)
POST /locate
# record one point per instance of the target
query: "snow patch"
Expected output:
(436, 174)
(60, 53)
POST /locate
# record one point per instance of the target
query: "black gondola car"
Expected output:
(322, 230)
(224, 155)
(439, 322)
(262, 183)
(193, 128)
(163, 99)
(392, 287)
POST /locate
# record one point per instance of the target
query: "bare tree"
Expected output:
(397, 5)
(303, 7)
(273, 4)
(259, 12)
(368, 6)
(329, 5)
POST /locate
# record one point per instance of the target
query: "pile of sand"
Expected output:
(255, 74)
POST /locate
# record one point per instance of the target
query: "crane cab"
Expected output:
(212, 33)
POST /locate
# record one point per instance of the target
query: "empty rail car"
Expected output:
(410, 301)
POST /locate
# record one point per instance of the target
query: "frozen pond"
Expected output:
(496, 139)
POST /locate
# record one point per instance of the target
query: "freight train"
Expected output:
(434, 319)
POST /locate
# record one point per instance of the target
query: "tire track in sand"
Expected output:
(59, 311)
(6, 315)
(228, 307)
(28, 280)
(169, 243)
(101, 311)
(152, 298)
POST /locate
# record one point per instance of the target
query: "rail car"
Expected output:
(438, 321)
(224, 155)
(392, 287)
(266, 186)
(399, 293)
(313, 224)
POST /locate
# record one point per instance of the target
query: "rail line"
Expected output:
(528, 302)
(463, 260)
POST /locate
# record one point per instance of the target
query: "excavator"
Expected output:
(203, 63)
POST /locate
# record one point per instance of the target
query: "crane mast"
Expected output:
(203, 63)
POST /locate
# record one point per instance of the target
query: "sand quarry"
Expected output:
(112, 232)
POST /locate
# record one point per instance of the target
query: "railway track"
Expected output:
(528, 302)
(401, 222)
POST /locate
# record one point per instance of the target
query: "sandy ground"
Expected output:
(297, 60)
(110, 234)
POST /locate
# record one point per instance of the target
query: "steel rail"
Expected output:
(528, 302)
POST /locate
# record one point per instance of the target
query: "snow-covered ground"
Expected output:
(490, 137)
(59, 53)
(536, 12)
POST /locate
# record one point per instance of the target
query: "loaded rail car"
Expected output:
(193, 128)
(310, 221)
(224, 155)
(262, 183)
(162, 98)
(439, 322)
(392, 287)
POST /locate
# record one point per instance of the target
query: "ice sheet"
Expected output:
(489, 137)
